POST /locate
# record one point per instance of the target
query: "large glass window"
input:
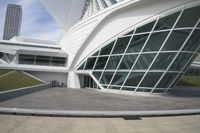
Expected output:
(113, 62)
(155, 41)
(144, 61)
(143, 90)
(189, 17)
(159, 91)
(121, 45)
(133, 79)
(129, 33)
(96, 54)
(106, 77)
(97, 75)
(90, 63)
(58, 61)
(82, 66)
(128, 88)
(107, 49)
(26, 59)
(146, 28)
(119, 78)
(104, 86)
(43, 60)
(190, 62)
(162, 61)
(176, 40)
(136, 43)
(194, 41)
(167, 22)
(101, 62)
(167, 80)
(111, 54)
(114, 87)
(180, 61)
(127, 62)
(151, 79)
(1, 54)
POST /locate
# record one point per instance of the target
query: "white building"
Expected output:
(126, 46)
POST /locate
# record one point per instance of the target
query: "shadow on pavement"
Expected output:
(185, 91)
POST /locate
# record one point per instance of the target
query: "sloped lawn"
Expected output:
(16, 79)
(189, 81)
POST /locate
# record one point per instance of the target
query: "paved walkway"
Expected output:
(29, 124)
(92, 100)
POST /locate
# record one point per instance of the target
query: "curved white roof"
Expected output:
(93, 6)
(65, 12)
(68, 12)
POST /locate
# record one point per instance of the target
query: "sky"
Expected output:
(36, 21)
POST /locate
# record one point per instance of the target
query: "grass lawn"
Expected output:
(189, 81)
(16, 79)
(4, 71)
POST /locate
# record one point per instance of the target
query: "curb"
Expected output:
(67, 113)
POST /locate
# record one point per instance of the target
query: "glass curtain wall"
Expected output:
(150, 58)
(41, 60)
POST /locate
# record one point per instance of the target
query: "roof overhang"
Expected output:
(65, 12)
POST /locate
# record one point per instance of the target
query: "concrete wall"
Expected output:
(6, 95)
(73, 80)
(49, 76)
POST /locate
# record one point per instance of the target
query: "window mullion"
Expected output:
(180, 51)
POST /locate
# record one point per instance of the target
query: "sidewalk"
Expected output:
(30, 124)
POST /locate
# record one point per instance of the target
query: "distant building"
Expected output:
(12, 21)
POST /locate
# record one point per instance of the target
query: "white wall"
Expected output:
(49, 76)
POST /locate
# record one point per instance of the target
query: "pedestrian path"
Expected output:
(32, 124)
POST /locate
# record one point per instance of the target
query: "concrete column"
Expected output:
(73, 80)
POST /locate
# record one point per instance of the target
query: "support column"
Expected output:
(73, 80)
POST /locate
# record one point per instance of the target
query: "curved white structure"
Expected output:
(69, 12)
(65, 12)
(134, 45)
(127, 46)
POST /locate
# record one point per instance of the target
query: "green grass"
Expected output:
(4, 71)
(17, 79)
(189, 81)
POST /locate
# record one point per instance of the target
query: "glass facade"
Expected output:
(150, 58)
(41, 60)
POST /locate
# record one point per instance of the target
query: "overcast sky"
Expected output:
(36, 22)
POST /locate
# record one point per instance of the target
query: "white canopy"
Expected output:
(65, 12)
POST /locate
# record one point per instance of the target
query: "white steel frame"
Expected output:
(177, 52)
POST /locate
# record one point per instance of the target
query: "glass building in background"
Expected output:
(12, 21)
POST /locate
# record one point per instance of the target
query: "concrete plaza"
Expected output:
(92, 100)
(33, 124)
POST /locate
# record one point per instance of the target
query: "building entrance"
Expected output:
(89, 82)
